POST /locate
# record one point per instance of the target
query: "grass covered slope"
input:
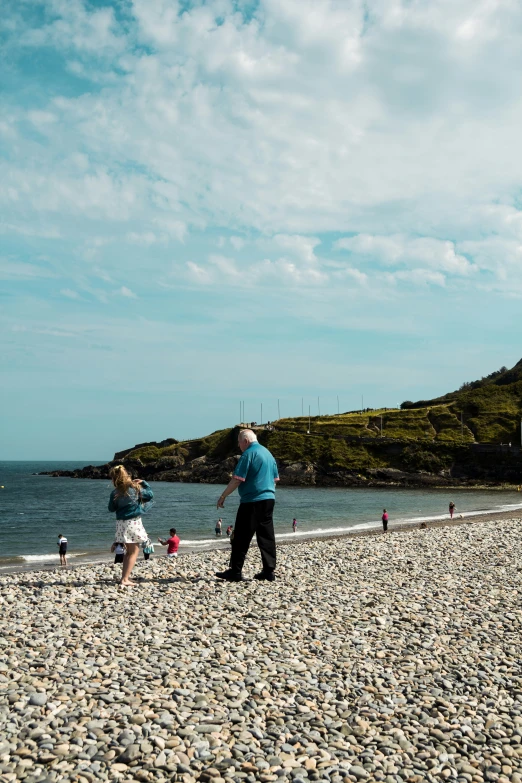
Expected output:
(441, 437)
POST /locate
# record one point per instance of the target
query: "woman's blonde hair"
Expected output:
(122, 480)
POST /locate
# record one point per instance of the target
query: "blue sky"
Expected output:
(209, 202)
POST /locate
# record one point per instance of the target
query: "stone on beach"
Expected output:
(388, 658)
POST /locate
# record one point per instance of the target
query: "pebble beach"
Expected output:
(382, 657)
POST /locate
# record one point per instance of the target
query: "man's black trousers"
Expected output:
(253, 518)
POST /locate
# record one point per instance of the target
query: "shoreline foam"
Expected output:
(50, 562)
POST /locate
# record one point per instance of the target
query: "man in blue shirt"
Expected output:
(255, 478)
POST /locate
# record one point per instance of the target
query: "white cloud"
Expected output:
(394, 122)
(69, 293)
(302, 246)
(18, 270)
(40, 118)
(401, 250)
(416, 277)
(266, 272)
(124, 291)
(237, 243)
(144, 238)
(70, 25)
(43, 232)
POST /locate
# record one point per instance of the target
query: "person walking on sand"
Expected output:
(451, 509)
(384, 521)
(255, 478)
(218, 526)
(294, 524)
(127, 500)
(62, 549)
(171, 543)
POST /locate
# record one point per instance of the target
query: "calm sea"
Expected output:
(35, 509)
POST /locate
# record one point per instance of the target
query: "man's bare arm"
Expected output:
(232, 485)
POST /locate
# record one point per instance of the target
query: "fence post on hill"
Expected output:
(309, 420)
(337, 404)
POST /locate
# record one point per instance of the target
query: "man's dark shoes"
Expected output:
(230, 576)
(265, 576)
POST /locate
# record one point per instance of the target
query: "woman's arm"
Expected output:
(146, 492)
(112, 504)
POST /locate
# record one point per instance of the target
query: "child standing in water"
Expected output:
(127, 501)
(62, 549)
(294, 524)
(384, 520)
(451, 509)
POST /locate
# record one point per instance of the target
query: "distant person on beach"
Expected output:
(451, 509)
(229, 530)
(148, 549)
(119, 552)
(127, 501)
(62, 549)
(171, 543)
(384, 520)
(294, 524)
(218, 527)
(255, 478)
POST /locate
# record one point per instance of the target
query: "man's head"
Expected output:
(172, 531)
(245, 438)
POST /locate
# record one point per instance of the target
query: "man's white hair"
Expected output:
(248, 435)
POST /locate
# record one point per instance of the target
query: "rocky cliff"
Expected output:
(465, 437)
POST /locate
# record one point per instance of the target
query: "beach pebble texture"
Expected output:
(382, 658)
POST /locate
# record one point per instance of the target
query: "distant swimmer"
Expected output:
(384, 521)
(62, 549)
(451, 509)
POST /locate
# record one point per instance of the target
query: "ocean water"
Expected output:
(35, 509)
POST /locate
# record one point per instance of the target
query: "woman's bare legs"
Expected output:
(129, 561)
